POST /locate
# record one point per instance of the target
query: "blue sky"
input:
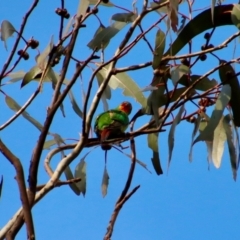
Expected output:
(192, 201)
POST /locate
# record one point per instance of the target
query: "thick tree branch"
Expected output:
(22, 189)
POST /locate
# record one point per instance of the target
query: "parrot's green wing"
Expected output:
(113, 123)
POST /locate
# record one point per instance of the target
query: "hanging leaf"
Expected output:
(212, 9)
(227, 76)
(105, 35)
(80, 172)
(173, 14)
(1, 185)
(41, 59)
(204, 85)
(153, 144)
(94, 2)
(13, 105)
(235, 15)
(178, 72)
(29, 76)
(129, 86)
(221, 103)
(106, 93)
(104, 43)
(231, 148)
(162, 9)
(48, 144)
(75, 106)
(7, 30)
(69, 176)
(82, 7)
(144, 165)
(16, 76)
(195, 129)
(160, 42)
(124, 17)
(219, 138)
(105, 182)
(171, 134)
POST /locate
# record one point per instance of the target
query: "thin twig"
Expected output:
(25, 18)
(115, 213)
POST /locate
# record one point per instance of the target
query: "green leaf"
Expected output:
(231, 147)
(195, 129)
(171, 134)
(178, 72)
(29, 76)
(69, 176)
(16, 76)
(124, 17)
(42, 58)
(219, 138)
(144, 165)
(105, 182)
(75, 106)
(162, 9)
(94, 2)
(160, 42)
(129, 86)
(48, 144)
(7, 30)
(82, 7)
(105, 35)
(156, 163)
(221, 103)
(227, 76)
(153, 144)
(155, 101)
(106, 93)
(204, 85)
(212, 9)
(80, 172)
(104, 43)
(235, 15)
(199, 24)
(1, 185)
(13, 105)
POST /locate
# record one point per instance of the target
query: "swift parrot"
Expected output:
(112, 123)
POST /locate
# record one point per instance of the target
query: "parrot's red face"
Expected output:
(126, 107)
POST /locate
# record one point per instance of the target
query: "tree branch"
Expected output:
(22, 189)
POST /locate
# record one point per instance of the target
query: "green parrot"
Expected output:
(112, 123)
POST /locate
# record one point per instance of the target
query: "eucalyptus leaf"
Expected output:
(129, 86)
(29, 76)
(13, 105)
(221, 103)
(153, 144)
(105, 182)
(82, 7)
(94, 2)
(69, 176)
(160, 41)
(195, 129)
(219, 138)
(105, 35)
(171, 134)
(228, 76)
(231, 146)
(124, 17)
(178, 72)
(1, 186)
(7, 30)
(80, 172)
(75, 106)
